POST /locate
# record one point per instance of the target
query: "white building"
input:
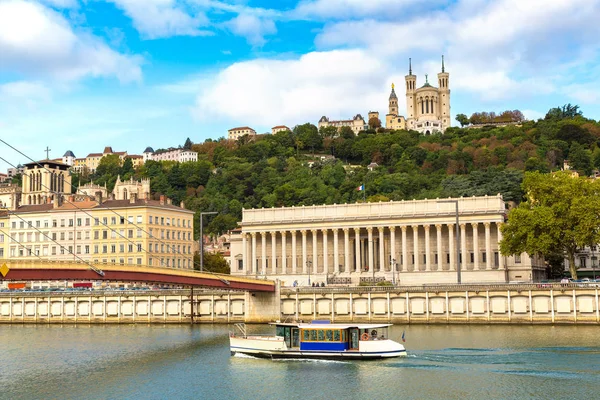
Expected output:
(410, 242)
(171, 154)
(236, 133)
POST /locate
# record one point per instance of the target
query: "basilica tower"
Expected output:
(411, 86)
(444, 96)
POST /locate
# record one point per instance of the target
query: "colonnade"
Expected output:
(402, 248)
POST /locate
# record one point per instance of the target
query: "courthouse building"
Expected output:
(407, 242)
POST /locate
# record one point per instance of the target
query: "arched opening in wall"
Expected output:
(29, 199)
(427, 133)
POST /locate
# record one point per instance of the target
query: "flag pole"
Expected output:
(364, 193)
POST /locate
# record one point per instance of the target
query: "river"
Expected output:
(193, 362)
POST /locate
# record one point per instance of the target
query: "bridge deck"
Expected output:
(19, 270)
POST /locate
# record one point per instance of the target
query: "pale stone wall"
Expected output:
(412, 242)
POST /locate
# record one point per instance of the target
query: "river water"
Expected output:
(193, 362)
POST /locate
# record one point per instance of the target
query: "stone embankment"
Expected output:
(464, 304)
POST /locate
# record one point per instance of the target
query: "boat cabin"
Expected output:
(322, 335)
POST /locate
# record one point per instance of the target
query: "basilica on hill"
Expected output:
(427, 107)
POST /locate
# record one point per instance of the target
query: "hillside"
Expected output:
(274, 170)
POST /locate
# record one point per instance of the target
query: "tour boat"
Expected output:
(319, 340)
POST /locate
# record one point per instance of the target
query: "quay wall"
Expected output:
(475, 304)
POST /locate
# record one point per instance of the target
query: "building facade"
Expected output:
(427, 107)
(408, 242)
(357, 124)
(394, 121)
(236, 133)
(279, 128)
(171, 154)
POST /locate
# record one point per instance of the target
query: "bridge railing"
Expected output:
(482, 287)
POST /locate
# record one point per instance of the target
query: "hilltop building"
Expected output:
(170, 154)
(279, 128)
(427, 107)
(357, 124)
(236, 133)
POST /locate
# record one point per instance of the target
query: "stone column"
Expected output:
(370, 247)
(263, 253)
(488, 246)
(294, 253)
(393, 248)
(463, 246)
(381, 249)
(304, 255)
(274, 252)
(452, 247)
(427, 249)
(346, 250)
(254, 253)
(404, 249)
(415, 229)
(284, 252)
(244, 255)
(502, 265)
(475, 246)
(315, 255)
(325, 251)
(440, 256)
(336, 254)
(357, 248)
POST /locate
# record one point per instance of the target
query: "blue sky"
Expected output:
(83, 74)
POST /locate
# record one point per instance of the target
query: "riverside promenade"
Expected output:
(442, 304)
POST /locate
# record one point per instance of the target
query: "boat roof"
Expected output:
(327, 325)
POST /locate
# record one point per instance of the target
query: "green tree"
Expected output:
(308, 135)
(580, 159)
(561, 213)
(374, 123)
(462, 119)
(213, 262)
(567, 111)
(127, 169)
(188, 144)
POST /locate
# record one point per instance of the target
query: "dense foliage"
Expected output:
(294, 168)
(561, 214)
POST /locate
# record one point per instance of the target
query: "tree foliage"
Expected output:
(561, 213)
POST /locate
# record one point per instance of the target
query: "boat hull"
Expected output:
(320, 355)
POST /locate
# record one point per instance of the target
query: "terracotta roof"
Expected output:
(35, 208)
(108, 149)
(280, 126)
(240, 128)
(134, 156)
(120, 152)
(77, 204)
(95, 154)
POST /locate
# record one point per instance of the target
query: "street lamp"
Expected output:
(457, 238)
(309, 265)
(202, 214)
(593, 263)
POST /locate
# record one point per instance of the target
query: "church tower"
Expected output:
(444, 96)
(411, 86)
(393, 102)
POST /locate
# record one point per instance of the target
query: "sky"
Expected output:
(80, 75)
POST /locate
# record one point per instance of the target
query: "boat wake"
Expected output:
(241, 355)
(311, 360)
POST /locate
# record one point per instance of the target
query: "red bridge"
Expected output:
(20, 270)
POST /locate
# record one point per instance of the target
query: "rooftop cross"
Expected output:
(47, 153)
(426, 80)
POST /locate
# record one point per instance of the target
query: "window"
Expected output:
(95, 249)
(113, 248)
(517, 259)
(139, 261)
(139, 233)
(130, 233)
(96, 235)
(122, 248)
(105, 220)
(104, 249)
(87, 249)
(113, 220)
(139, 219)
(472, 257)
(139, 247)
(62, 236)
(150, 219)
(78, 221)
(130, 219)
(62, 223)
(582, 262)
(70, 235)
(484, 257)
(104, 234)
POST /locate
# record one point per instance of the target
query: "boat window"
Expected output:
(344, 336)
(336, 336)
(321, 335)
(329, 335)
(313, 335)
(305, 335)
(280, 331)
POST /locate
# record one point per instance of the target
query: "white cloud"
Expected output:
(61, 3)
(38, 41)
(163, 18)
(268, 91)
(24, 90)
(253, 28)
(338, 9)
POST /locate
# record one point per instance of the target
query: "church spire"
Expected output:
(443, 69)
(410, 66)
